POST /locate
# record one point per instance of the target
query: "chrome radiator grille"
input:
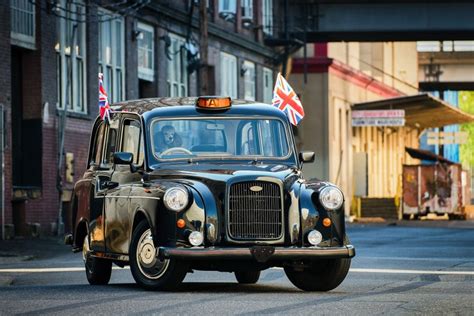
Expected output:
(255, 211)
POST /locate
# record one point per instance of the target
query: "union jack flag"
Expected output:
(104, 106)
(285, 99)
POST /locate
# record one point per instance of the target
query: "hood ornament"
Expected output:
(256, 188)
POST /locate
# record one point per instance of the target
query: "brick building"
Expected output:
(145, 50)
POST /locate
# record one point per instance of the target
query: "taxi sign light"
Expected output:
(214, 103)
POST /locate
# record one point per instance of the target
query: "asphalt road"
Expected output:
(397, 270)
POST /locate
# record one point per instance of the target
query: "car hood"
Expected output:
(224, 173)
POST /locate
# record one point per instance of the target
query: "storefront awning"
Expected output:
(421, 110)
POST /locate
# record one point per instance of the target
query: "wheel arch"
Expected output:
(80, 233)
(139, 215)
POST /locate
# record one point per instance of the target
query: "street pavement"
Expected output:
(404, 268)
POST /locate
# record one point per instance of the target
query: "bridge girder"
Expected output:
(382, 20)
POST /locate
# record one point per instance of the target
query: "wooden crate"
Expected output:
(468, 210)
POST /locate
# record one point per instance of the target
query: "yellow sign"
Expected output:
(214, 103)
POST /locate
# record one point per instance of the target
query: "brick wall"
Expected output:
(41, 88)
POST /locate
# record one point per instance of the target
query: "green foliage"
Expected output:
(466, 103)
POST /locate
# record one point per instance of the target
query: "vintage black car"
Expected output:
(180, 184)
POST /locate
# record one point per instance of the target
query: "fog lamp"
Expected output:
(314, 237)
(195, 238)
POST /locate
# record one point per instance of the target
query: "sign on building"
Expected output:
(378, 118)
(446, 138)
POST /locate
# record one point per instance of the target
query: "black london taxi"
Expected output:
(181, 184)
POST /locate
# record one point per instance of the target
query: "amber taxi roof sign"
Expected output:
(213, 103)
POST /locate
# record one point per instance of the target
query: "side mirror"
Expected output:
(123, 158)
(306, 156)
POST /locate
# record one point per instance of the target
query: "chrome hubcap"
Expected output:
(149, 265)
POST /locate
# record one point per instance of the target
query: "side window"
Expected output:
(249, 145)
(111, 147)
(98, 141)
(132, 141)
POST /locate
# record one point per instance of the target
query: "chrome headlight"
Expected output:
(176, 199)
(331, 198)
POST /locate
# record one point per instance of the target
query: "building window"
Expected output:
(227, 8)
(146, 52)
(112, 54)
(267, 12)
(71, 63)
(249, 80)
(267, 85)
(177, 68)
(228, 75)
(23, 23)
(247, 10)
(445, 46)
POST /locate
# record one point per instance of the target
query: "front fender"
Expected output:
(332, 235)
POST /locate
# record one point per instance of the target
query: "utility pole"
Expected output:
(203, 46)
(287, 41)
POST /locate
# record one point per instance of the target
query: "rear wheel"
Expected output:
(98, 270)
(148, 271)
(247, 277)
(321, 275)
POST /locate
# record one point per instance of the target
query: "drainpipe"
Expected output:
(62, 132)
(2, 148)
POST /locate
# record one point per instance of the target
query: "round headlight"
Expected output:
(176, 199)
(331, 198)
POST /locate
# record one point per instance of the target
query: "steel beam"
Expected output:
(359, 20)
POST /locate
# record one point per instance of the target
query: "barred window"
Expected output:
(177, 68)
(146, 52)
(70, 58)
(112, 54)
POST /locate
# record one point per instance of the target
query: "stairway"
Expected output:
(379, 207)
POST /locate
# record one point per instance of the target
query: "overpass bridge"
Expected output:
(373, 20)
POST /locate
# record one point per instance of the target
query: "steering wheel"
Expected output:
(174, 149)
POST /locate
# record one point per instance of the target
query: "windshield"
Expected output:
(219, 138)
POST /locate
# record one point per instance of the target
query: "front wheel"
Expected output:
(148, 271)
(321, 275)
(247, 277)
(98, 270)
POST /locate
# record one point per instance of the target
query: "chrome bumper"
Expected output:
(259, 253)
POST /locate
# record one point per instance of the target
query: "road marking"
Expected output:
(47, 270)
(399, 271)
(356, 270)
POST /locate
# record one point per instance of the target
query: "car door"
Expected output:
(118, 221)
(100, 184)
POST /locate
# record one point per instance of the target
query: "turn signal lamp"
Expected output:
(214, 103)
(327, 222)
(180, 223)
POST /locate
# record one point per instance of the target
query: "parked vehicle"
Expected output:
(181, 184)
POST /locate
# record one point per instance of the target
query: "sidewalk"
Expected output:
(441, 223)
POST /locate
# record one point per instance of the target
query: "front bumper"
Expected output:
(259, 253)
